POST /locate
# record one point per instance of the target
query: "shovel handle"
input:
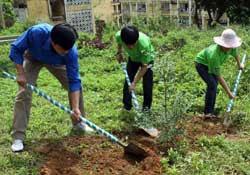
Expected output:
(134, 99)
(66, 109)
(237, 81)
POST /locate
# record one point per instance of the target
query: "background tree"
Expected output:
(8, 11)
(215, 9)
(239, 11)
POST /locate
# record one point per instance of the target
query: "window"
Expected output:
(57, 11)
(173, 1)
(141, 7)
(165, 6)
(183, 8)
(133, 7)
(125, 8)
(184, 20)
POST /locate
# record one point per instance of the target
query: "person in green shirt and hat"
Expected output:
(140, 53)
(208, 64)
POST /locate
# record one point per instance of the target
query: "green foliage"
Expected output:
(17, 28)
(8, 11)
(239, 12)
(214, 156)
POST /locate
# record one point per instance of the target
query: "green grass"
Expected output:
(215, 156)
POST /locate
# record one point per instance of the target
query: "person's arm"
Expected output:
(119, 56)
(21, 79)
(147, 53)
(138, 76)
(17, 50)
(19, 46)
(225, 87)
(240, 66)
(74, 81)
(118, 40)
(74, 103)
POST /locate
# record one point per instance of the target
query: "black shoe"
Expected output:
(146, 110)
(211, 117)
(127, 108)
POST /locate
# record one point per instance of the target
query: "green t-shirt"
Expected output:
(142, 52)
(213, 57)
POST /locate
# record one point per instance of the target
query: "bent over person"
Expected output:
(208, 65)
(51, 47)
(140, 52)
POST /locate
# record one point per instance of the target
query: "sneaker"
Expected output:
(80, 126)
(17, 145)
(127, 108)
(146, 110)
(210, 116)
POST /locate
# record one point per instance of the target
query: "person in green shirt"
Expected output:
(208, 64)
(140, 53)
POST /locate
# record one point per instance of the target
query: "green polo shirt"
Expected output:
(213, 57)
(142, 52)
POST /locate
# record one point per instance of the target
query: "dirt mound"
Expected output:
(94, 155)
(198, 126)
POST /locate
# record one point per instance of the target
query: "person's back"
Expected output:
(208, 63)
(37, 40)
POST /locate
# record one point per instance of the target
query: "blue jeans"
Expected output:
(211, 81)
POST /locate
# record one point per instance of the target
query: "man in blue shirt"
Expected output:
(51, 47)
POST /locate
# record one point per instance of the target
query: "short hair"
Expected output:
(129, 35)
(64, 35)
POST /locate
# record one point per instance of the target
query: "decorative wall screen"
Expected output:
(79, 14)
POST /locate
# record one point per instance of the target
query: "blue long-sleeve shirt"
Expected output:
(38, 42)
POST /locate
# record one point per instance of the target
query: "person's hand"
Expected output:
(132, 87)
(22, 81)
(231, 95)
(76, 115)
(242, 66)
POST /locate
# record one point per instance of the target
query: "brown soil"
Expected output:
(197, 126)
(94, 155)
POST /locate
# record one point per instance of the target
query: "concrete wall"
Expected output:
(103, 9)
(38, 10)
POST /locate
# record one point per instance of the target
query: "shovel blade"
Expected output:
(152, 132)
(135, 150)
(227, 121)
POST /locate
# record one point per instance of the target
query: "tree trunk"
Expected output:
(2, 21)
(196, 16)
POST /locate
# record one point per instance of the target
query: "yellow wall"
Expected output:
(103, 9)
(38, 10)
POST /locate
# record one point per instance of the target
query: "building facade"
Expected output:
(180, 11)
(76, 12)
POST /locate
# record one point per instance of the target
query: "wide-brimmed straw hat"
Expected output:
(228, 39)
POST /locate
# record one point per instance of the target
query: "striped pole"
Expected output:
(151, 131)
(66, 109)
(134, 99)
(230, 104)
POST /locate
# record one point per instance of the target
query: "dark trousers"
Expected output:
(132, 69)
(212, 82)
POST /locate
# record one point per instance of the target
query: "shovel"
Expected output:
(227, 119)
(153, 132)
(129, 148)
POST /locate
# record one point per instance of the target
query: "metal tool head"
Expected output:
(227, 120)
(136, 151)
